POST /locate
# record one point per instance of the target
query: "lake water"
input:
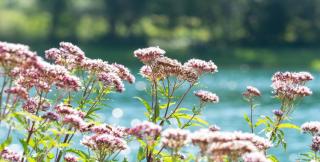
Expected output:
(228, 113)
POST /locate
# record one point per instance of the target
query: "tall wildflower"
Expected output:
(250, 94)
(288, 87)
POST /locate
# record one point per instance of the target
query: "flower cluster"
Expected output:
(287, 85)
(15, 55)
(158, 67)
(43, 76)
(34, 104)
(312, 127)
(251, 92)
(10, 155)
(73, 58)
(315, 146)
(202, 66)
(146, 131)
(70, 116)
(206, 96)
(149, 54)
(67, 55)
(175, 138)
(105, 140)
(255, 157)
(216, 145)
(70, 158)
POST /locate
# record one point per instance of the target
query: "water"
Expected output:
(228, 113)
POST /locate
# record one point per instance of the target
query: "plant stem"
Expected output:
(187, 123)
(179, 103)
(251, 115)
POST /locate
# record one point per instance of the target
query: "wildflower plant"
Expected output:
(50, 101)
(249, 95)
(167, 76)
(288, 88)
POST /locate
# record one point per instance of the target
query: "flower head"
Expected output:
(278, 112)
(206, 96)
(291, 85)
(315, 143)
(148, 55)
(202, 66)
(146, 131)
(251, 92)
(10, 155)
(70, 158)
(175, 138)
(255, 157)
(112, 80)
(312, 127)
(18, 91)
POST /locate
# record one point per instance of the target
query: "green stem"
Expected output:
(251, 115)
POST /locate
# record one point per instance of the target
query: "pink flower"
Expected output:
(74, 120)
(255, 157)
(148, 55)
(124, 73)
(146, 131)
(146, 71)
(202, 66)
(10, 155)
(67, 55)
(312, 127)
(112, 80)
(206, 96)
(52, 116)
(70, 158)
(291, 85)
(175, 138)
(104, 143)
(63, 109)
(18, 91)
(251, 92)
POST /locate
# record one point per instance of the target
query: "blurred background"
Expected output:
(248, 39)
(264, 33)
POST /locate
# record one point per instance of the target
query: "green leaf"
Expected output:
(272, 158)
(165, 105)
(195, 118)
(30, 116)
(246, 117)
(80, 153)
(141, 154)
(145, 103)
(6, 143)
(289, 126)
